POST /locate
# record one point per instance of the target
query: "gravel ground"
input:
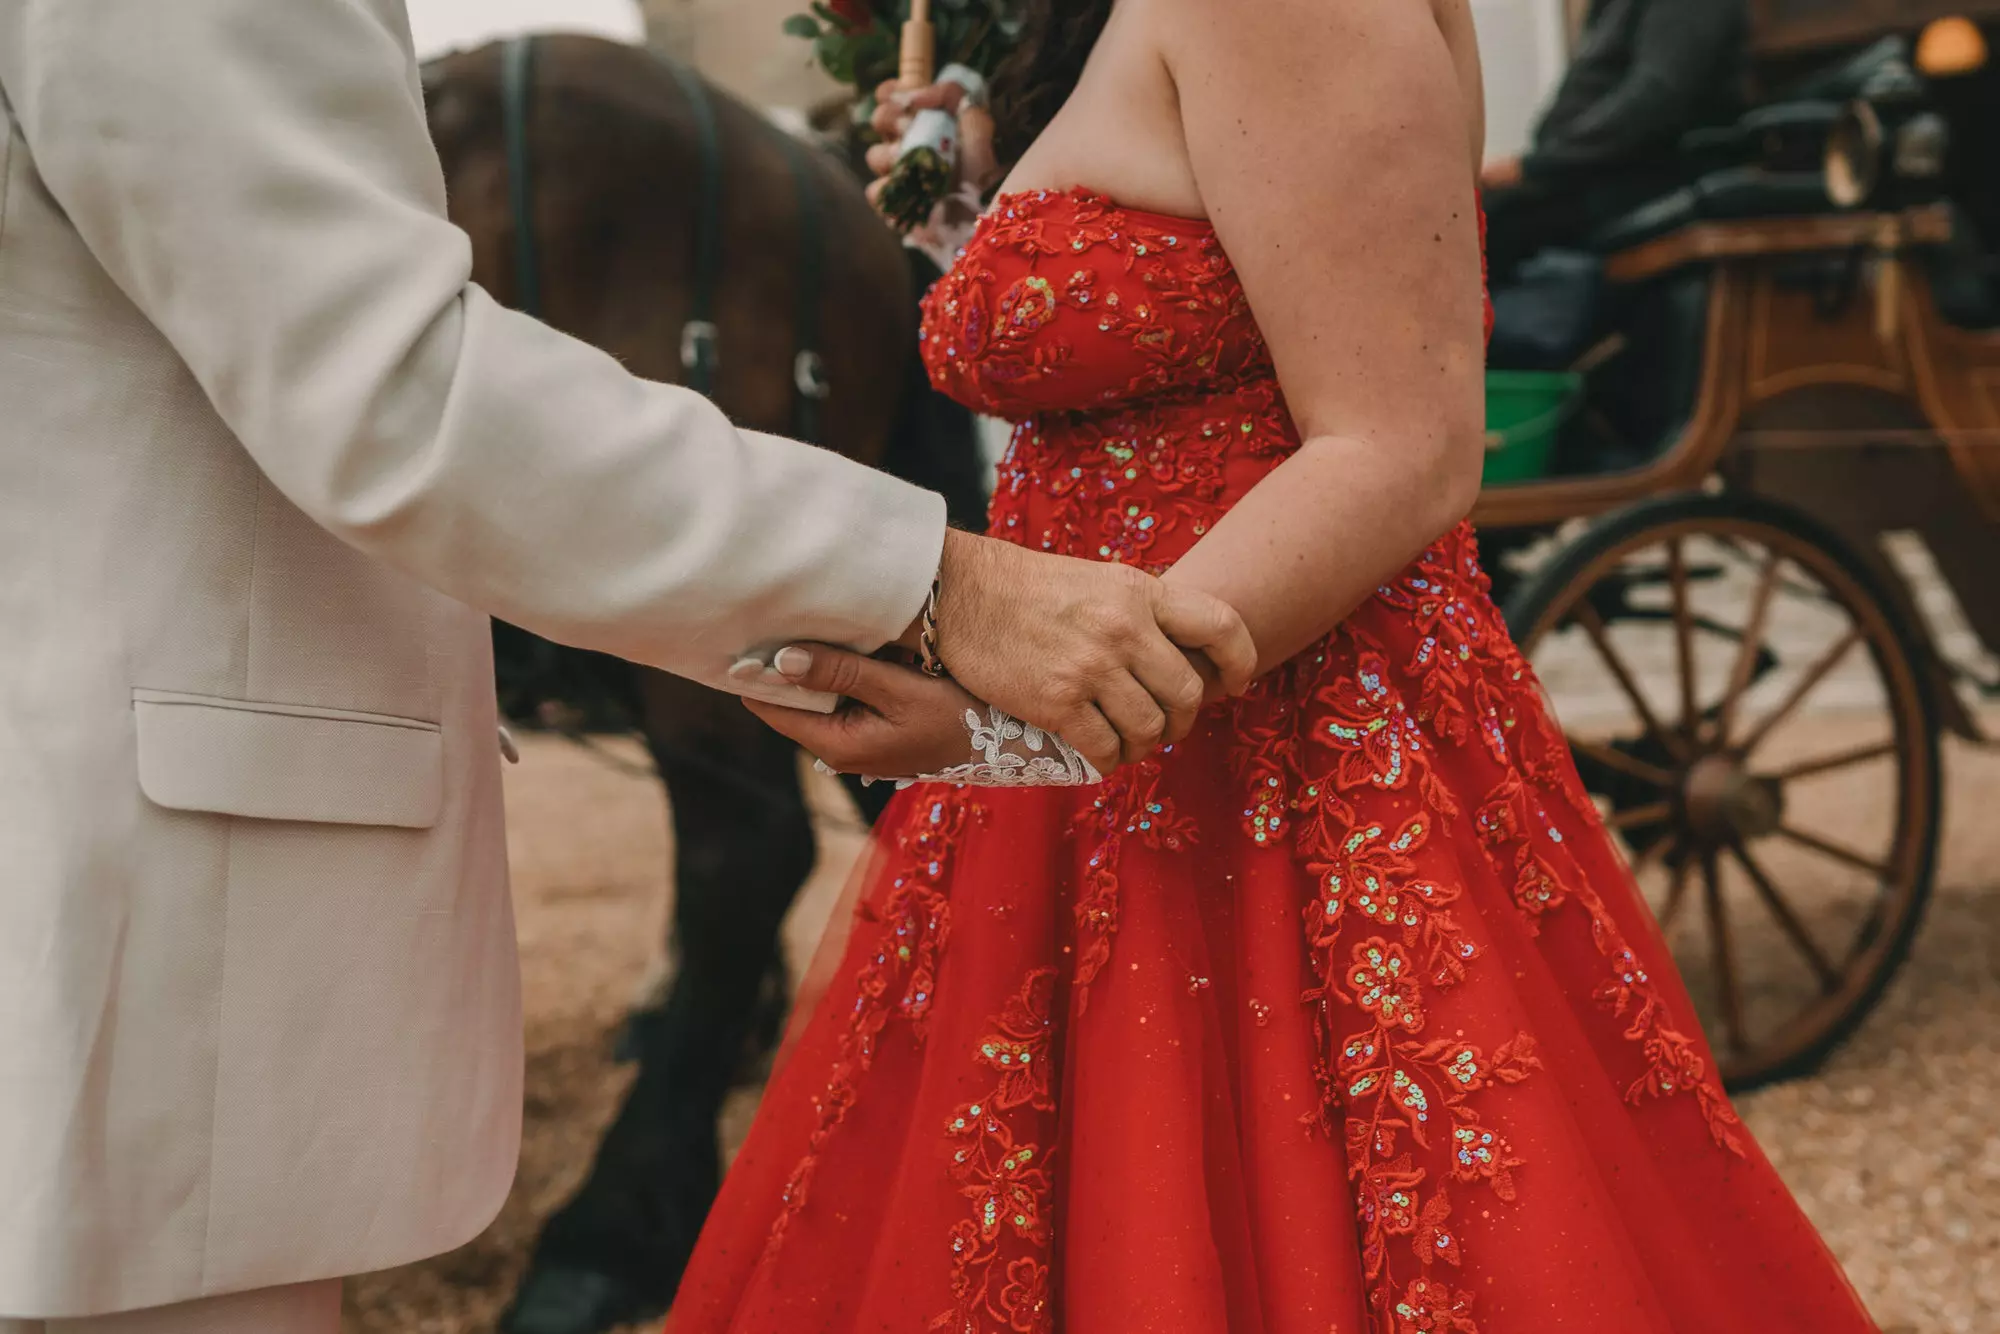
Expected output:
(1894, 1149)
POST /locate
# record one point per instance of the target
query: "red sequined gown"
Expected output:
(1340, 1016)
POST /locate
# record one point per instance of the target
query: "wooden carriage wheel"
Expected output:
(1752, 715)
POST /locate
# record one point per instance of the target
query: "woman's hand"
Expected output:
(899, 723)
(1098, 653)
(894, 108)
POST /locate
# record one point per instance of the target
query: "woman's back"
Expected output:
(1119, 132)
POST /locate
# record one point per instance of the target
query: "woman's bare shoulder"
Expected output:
(1264, 46)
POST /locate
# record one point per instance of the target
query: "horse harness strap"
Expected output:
(517, 76)
(809, 382)
(700, 338)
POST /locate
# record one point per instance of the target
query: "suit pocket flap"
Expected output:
(288, 762)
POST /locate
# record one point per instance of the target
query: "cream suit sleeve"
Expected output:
(258, 178)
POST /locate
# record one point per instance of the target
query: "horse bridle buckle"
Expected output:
(699, 341)
(809, 375)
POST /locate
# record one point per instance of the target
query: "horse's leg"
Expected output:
(743, 846)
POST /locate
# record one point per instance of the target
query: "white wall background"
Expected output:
(1524, 46)
(439, 26)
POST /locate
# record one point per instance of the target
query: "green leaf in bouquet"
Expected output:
(875, 58)
(836, 55)
(802, 25)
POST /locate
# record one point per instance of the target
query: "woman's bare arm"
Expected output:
(1329, 140)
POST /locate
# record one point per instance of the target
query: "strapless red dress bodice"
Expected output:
(1123, 346)
(1065, 302)
(1342, 1016)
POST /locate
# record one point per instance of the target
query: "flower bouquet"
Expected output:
(864, 43)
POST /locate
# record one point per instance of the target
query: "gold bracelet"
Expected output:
(927, 633)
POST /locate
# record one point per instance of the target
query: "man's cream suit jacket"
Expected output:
(266, 463)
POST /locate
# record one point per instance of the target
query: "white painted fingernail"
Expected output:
(743, 669)
(793, 662)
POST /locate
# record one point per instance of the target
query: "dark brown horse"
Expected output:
(587, 173)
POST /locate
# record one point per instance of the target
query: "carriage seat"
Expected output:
(1721, 196)
(1560, 303)
(1771, 162)
(1785, 136)
(1880, 72)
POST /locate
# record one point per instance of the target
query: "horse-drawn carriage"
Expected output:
(1781, 459)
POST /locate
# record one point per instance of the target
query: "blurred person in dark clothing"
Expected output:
(1644, 73)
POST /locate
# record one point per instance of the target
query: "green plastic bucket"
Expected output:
(1525, 410)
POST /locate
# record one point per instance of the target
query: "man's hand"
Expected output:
(1089, 651)
(1501, 174)
(900, 723)
(894, 108)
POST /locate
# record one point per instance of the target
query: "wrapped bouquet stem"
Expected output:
(927, 157)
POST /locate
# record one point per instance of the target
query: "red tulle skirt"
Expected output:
(1323, 1021)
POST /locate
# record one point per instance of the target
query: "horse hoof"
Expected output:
(564, 1300)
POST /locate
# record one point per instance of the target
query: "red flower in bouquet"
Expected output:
(852, 13)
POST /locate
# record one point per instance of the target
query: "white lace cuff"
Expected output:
(1007, 752)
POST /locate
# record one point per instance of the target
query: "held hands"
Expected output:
(1090, 652)
(897, 723)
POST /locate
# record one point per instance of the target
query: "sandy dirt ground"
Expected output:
(1894, 1149)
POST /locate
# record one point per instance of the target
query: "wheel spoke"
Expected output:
(1838, 760)
(1677, 575)
(1652, 813)
(1677, 887)
(1613, 758)
(1646, 855)
(1746, 652)
(1829, 978)
(1593, 625)
(1724, 951)
(1813, 676)
(1833, 850)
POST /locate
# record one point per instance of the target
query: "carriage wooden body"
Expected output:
(1838, 415)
